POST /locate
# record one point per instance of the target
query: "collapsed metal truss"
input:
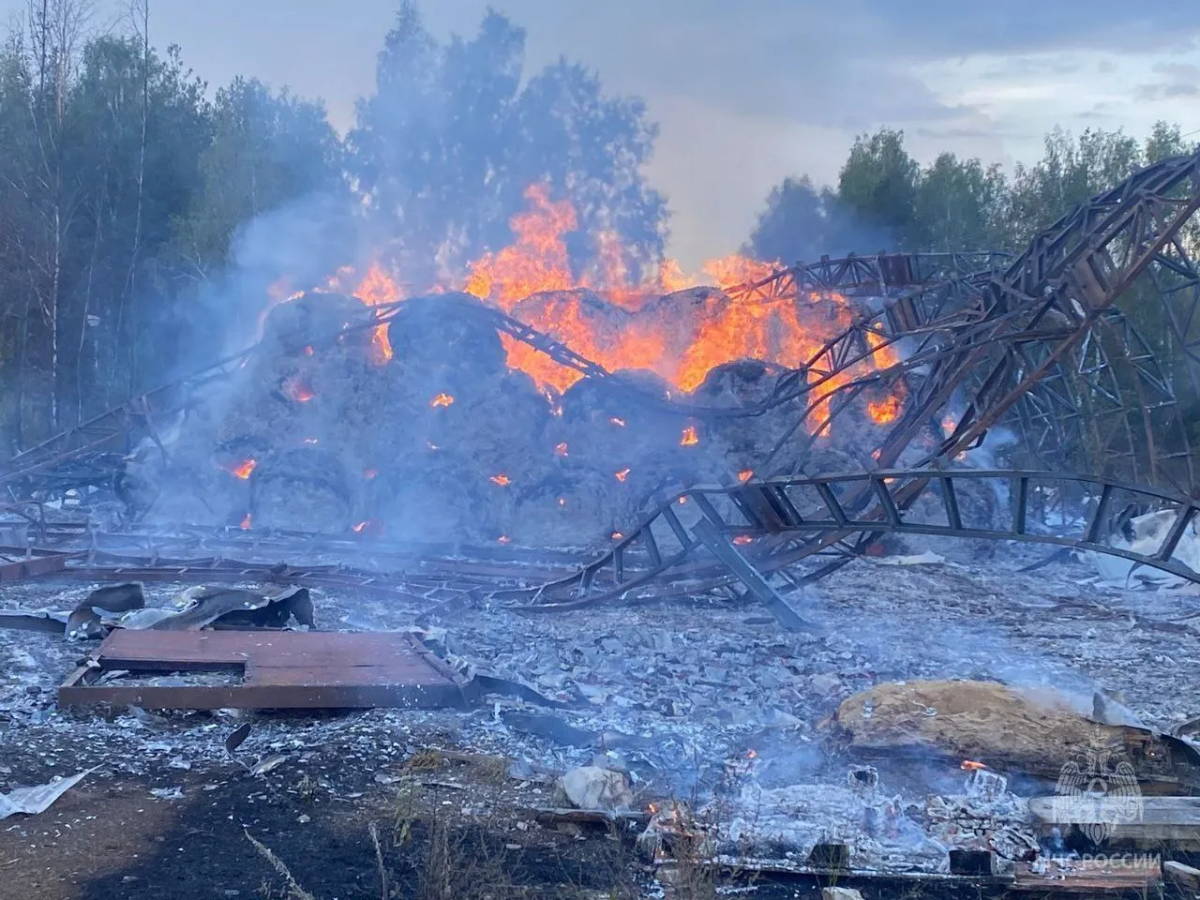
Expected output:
(774, 521)
(1038, 344)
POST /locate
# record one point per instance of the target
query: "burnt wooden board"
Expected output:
(278, 669)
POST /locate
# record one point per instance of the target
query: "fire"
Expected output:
(370, 474)
(533, 279)
(376, 288)
(743, 539)
(623, 474)
(885, 410)
(616, 536)
(442, 399)
(752, 754)
(298, 390)
(560, 449)
(504, 539)
(312, 442)
(245, 526)
(360, 527)
(682, 501)
(243, 469)
(562, 501)
(690, 438)
(620, 423)
(502, 480)
(745, 475)
(309, 351)
(970, 765)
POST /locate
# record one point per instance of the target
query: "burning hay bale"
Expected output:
(434, 426)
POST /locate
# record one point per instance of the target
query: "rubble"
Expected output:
(591, 787)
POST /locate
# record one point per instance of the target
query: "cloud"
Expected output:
(948, 28)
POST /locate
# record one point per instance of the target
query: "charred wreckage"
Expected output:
(463, 453)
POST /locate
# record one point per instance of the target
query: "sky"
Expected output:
(747, 92)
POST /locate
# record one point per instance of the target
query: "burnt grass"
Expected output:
(111, 838)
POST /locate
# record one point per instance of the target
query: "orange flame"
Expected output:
(298, 390)
(616, 536)
(376, 288)
(560, 449)
(504, 539)
(441, 400)
(360, 527)
(309, 351)
(743, 539)
(245, 526)
(502, 480)
(752, 754)
(680, 339)
(243, 469)
(885, 410)
(745, 475)
(312, 442)
(562, 501)
(970, 765)
(623, 474)
(690, 438)
(620, 423)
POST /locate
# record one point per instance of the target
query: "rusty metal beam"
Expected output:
(278, 670)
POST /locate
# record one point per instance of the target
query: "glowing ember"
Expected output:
(502, 480)
(970, 765)
(297, 390)
(432, 446)
(885, 410)
(560, 449)
(682, 501)
(309, 351)
(562, 501)
(441, 400)
(616, 536)
(743, 539)
(369, 474)
(245, 526)
(504, 539)
(752, 754)
(620, 423)
(360, 527)
(689, 439)
(243, 469)
(623, 474)
(745, 475)
(312, 442)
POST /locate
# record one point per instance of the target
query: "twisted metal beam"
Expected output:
(773, 521)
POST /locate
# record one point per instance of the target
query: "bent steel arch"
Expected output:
(774, 518)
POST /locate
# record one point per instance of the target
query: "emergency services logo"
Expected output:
(1098, 792)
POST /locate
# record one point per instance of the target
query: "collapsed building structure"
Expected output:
(954, 395)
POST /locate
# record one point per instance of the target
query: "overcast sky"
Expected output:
(749, 91)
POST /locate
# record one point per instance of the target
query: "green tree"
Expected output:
(446, 146)
(957, 205)
(878, 184)
(266, 151)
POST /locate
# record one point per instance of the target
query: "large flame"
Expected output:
(681, 337)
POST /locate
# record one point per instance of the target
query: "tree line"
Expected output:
(884, 199)
(141, 211)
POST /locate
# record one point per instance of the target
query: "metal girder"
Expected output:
(774, 521)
